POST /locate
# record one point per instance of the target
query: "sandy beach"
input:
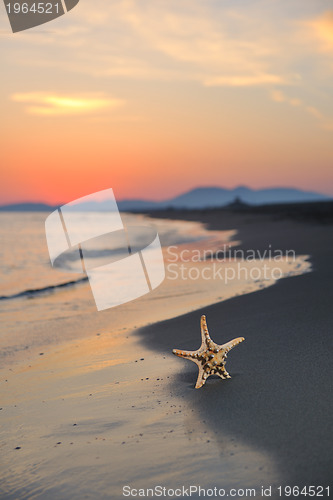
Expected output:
(85, 415)
(283, 401)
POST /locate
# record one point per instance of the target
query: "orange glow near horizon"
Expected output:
(59, 167)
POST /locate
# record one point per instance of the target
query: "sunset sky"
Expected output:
(155, 97)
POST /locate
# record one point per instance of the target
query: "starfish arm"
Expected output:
(185, 354)
(222, 372)
(230, 345)
(202, 377)
(192, 356)
(205, 338)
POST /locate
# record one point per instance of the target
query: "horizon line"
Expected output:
(39, 202)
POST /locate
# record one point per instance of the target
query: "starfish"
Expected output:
(210, 357)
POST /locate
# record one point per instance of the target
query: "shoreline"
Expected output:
(282, 401)
(32, 325)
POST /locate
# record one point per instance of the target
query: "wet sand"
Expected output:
(280, 399)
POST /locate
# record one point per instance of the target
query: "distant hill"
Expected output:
(202, 197)
(209, 197)
(26, 207)
(215, 196)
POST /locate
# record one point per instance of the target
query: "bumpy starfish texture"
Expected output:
(210, 357)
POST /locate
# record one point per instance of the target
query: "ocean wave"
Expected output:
(39, 291)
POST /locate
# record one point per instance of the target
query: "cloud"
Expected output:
(52, 104)
(321, 28)
(245, 80)
(212, 43)
(241, 45)
(279, 96)
(324, 122)
(215, 45)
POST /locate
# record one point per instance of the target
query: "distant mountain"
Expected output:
(203, 197)
(137, 205)
(209, 197)
(214, 196)
(26, 207)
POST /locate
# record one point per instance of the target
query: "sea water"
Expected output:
(41, 305)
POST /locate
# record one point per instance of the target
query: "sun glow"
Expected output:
(40, 103)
